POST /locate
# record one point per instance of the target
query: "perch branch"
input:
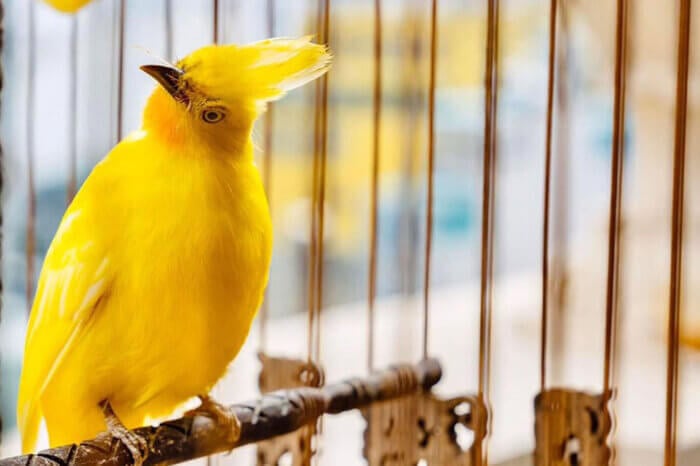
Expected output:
(278, 413)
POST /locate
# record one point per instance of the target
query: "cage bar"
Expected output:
(407, 245)
(30, 235)
(487, 225)
(216, 25)
(318, 194)
(72, 184)
(267, 172)
(676, 263)
(324, 6)
(169, 30)
(559, 282)
(430, 175)
(547, 188)
(374, 203)
(616, 178)
(120, 70)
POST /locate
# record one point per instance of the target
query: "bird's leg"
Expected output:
(219, 413)
(137, 445)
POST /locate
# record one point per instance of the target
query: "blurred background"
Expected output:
(581, 187)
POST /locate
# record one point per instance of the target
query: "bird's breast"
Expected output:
(196, 255)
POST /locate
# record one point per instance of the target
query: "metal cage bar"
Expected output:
(558, 285)
(488, 205)
(30, 235)
(547, 187)
(374, 203)
(216, 22)
(120, 70)
(676, 263)
(169, 37)
(72, 185)
(315, 295)
(616, 178)
(268, 141)
(430, 174)
(324, 6)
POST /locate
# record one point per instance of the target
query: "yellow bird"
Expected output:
(67, 6)
(157, 269)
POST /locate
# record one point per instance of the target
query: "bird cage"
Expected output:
(485, 224)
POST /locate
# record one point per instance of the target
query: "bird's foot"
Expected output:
(137, 445)
(221, 414)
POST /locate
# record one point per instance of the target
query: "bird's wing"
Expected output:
(74, 279)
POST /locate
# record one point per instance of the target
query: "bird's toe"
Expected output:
(222, 415)
(137, 445)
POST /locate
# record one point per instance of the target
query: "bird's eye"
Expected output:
(212, 116)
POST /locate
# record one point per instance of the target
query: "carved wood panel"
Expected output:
(279, 373)
(572, 428)
(424, 429)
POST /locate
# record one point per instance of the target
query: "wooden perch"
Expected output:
(278, 413)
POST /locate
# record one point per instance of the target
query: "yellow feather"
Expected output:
(261, 71)
(158, 267)
(67, 6)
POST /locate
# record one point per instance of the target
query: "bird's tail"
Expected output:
(264, 71)
(28, 420)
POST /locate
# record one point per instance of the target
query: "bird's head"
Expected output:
(213, 95)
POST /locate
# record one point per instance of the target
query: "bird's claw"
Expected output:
(136, 445)
(221, 414)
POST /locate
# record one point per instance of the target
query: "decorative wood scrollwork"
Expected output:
(423, 428)
(572, 428)
(280, 373)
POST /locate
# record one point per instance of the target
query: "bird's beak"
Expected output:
(168, 77)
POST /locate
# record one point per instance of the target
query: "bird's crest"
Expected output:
(259, 72)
